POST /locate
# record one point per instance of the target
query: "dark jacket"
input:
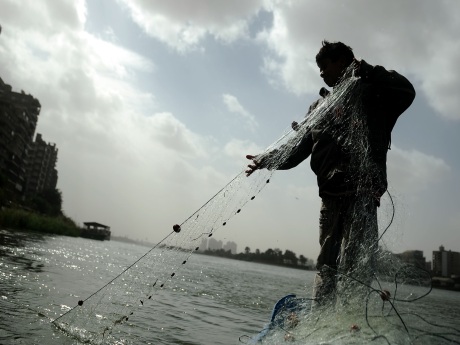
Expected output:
(341, 165)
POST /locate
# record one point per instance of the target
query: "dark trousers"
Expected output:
(348, 238)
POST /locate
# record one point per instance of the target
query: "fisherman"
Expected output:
(351, 181)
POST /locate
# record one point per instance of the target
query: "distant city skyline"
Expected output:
(218, 243)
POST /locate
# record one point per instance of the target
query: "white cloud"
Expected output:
(120, 159)
(412, 172)
(420, 40)
(164, 128)
(441, 84)
(238, 149)
(184, 24)
(234, 106)
(48, 16)
(291, 62)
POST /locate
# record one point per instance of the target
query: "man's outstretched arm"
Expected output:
(283, 158)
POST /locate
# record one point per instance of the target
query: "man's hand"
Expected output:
(252, 167)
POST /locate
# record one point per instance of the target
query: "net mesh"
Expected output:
(376, 296)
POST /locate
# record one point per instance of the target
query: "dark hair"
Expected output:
(335, 51)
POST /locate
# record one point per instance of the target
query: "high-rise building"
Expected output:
(446, 263)
(230, 246)
(204, 244)
(41, 166)
(18, 120)
(214, 244)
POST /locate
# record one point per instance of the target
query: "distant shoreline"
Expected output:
(20, 220)
(129, 240)
(219, 253)
(445, 283)
(246, 257)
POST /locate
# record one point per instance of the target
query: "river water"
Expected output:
(212, 301)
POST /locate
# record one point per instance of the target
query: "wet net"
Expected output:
(376, 296)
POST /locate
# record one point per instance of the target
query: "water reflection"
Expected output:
(15, 249)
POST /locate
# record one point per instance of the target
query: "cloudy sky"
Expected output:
(154, 104)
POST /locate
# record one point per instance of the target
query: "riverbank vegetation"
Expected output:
(20, 219)
(41, 212)
(270, 256)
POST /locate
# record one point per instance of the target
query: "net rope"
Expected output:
(376, 290)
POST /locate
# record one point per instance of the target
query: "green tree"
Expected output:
(267, 256)
(290, 257)
(279, 255)
(269, 252)
(48, 202)
(303, 260)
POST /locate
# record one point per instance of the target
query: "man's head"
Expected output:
(332, 60)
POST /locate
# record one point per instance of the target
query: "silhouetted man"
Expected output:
(348, 149)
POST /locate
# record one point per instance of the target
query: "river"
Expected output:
(212, 301)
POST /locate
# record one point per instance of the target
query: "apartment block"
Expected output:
(18, 119)
(446, 263)
(230, 245)
(214, 244)
(41, 166)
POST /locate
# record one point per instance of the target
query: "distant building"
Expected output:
(230, 246)
(204, 244)
(446, 263)
(41, 166)
(18, 120)
(213, 244)
(413, 257)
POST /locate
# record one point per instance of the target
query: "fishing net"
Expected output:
(376, 295)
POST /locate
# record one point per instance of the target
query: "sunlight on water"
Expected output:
(214, 301)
